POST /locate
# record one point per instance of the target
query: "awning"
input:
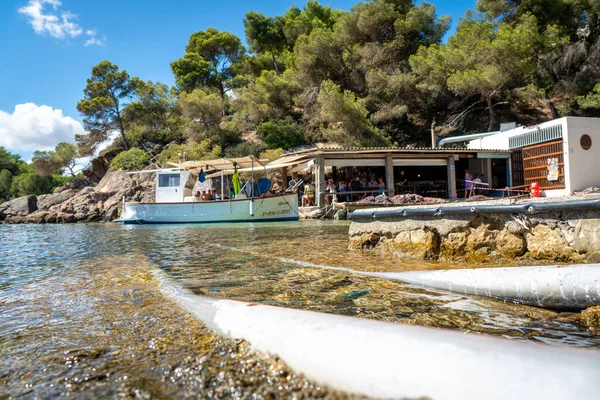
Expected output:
(220, 163)
(283, 162)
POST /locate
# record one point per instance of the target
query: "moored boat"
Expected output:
(177, 202)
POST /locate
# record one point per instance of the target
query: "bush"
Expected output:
(32, 183)
(190, 151)
(130, 159)
(281, 134)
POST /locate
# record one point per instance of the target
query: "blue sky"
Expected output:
(48, 48)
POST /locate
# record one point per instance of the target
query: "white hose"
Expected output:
(382, 359)
(574, 286)
(567, 287)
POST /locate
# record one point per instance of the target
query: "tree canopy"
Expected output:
(380, 74)
(106, 94)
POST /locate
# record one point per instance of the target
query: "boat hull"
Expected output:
(275, 208)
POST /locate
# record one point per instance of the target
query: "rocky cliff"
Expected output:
(78, 203)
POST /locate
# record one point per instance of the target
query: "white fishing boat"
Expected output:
(176, 202)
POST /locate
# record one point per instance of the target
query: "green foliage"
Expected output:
(321, 56)
(155, 115)
(281, 134)
(271, 154)
(32, 183)
(591, 100)
(479, 60)
(568, 14)
(371, 76)
(203, 112)
(270, 96)
(265, 34)
(203, 150)
(105, 96)
(5, 185)
(130, 160)
(245, 149)
(298, 22)
(220, 50)
(191, 72)
(344, 118)
(54, 162)
(10, 162)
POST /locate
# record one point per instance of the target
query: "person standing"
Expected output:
(309, 195)
(468, 183)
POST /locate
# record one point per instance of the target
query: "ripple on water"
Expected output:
(61, 304)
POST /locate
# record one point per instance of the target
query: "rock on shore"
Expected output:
(572, 236)
(73, 203)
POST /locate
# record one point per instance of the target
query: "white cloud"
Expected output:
(93, 40)
(33, 127)
(58, 24)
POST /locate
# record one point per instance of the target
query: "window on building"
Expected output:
(168, 180)
(586, 142)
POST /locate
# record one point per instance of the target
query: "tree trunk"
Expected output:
(492, 115)
(222, 93)
(121, 127)
(553, 110)
(275, 63)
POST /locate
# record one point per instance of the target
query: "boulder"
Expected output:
(70, 204)
(545, 243)
(364, 241)
(21, 207)
(453, 245)
(510, 245)
(418, 243)
(45, 201)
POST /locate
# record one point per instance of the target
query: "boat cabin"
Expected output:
(173, 185)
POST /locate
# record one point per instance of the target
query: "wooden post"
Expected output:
(320, 181)
(451, 171)
(284, 179)
(389, 176)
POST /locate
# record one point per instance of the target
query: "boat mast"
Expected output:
(252, 188)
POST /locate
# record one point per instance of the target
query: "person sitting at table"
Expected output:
(330, 189)
(373, 182)
(403, 180)
(381, 187)
(356, 186)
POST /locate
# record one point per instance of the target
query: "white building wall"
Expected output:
(582, 167)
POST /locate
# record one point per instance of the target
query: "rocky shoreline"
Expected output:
(567, 236)
(79, 203)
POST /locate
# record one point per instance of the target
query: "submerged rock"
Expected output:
(591, 318)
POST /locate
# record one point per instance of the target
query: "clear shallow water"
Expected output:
(80, 313)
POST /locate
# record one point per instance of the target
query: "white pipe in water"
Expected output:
(573, 286)
(566, 287)
(388, 360)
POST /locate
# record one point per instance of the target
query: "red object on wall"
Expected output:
(535, 189)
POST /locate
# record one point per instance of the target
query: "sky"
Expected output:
(48, 48)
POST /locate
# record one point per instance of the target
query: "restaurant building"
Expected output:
(432, 172)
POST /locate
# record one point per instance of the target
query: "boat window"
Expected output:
(168, 180)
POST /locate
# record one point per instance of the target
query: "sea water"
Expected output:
(81, 314)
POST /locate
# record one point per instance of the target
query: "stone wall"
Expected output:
(572, 236)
